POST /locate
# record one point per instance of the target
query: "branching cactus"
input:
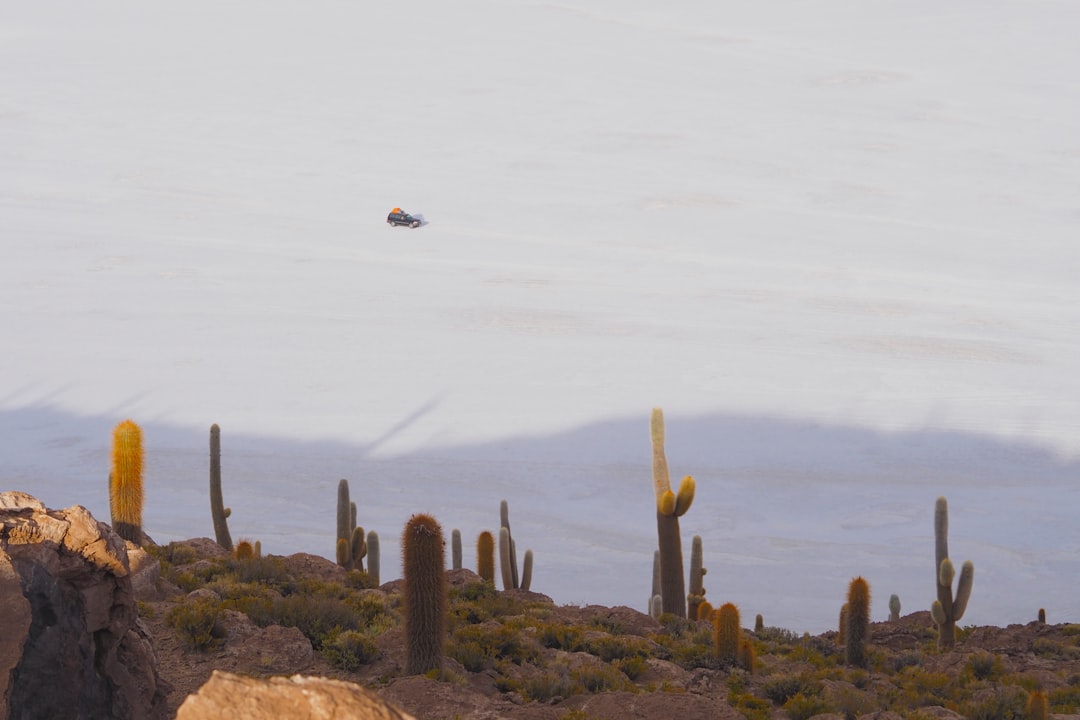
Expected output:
(425, 596)
(218, 512)
(948, 609)
(455, 549)
(373, 556)
(669, 508)
(485, 557)
(126, 482)
(344, 525)
(697, 573)
(858, 623)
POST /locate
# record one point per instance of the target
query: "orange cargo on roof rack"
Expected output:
(396, 210)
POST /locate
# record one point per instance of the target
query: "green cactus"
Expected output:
(727, 634)
(126, 482)
(504, 522)
(425, 596)
(218, 512)
(841, 631)
(344, 524)
(697, 573)
(341, 552)
(485, 557)
(455, 549)
(655, 578)
(894, 608)
(656, 607)
(759, 623)
(258, 548)
(358, 548)
(505, 553)
(1042, 616)
(373, 556)
(669, 508)
(947, 609)
(858, 623)
(526, 570)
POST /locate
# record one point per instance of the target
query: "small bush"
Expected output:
(349, 650)
(198, 624)
(780, 690)
(600, 678)
(633, 667)
(562, 637)
(984, 666)
(802, 707)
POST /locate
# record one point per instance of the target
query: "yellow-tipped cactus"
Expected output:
(244, 550)
(1038, 706)
(126, 482)
(670, 507)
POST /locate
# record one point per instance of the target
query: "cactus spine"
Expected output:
(727, 634)
(218, 512)
(669, 508)
(858, 622)
(894, 608)
(485, 557)
(126, 482)
(947, 609)
(425, 597)
(697, 573)
(373, 555)
(455, 549)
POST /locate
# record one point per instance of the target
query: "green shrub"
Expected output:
(984, 666)
(596, 678)
(781, 689)
(562, 637)
(802, 707)
(349, 649)
(609, 648)
(1004, 703)
(633, 666)
(198, 623)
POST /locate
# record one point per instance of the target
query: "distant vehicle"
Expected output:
(398, 216)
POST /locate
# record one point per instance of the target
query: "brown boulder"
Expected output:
(72, 644)
(299, 698)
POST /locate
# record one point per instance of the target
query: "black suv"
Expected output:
(400, 217)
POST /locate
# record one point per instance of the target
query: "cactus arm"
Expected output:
(661, 477)
(685, 497)
(963, 589)
(357, 548)
(504, 558)
(526, 570)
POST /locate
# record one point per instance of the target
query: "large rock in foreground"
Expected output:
(298, 698)
(72, 645)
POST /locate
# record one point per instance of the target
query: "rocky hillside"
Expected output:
(517, 655)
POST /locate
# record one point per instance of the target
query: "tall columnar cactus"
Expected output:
(727, 634)
(425, 597)
(894, 608)
(126, 482)
(485, 557)
(947, 609)
(1038, 705)
(759, 623)
(669, 508)
(218, 512)
(697, 573)
(511, 552)
(455, 549)
(373, 556)
(344, 524)
(505, 553)
(858, 622)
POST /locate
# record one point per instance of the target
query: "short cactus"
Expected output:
(126, 482)
(425, 595)
(894, 608)
(218, 512)
(373, 556)
(526, 570)
(759, 623)
(727, 634)
(485, 557)
(358, 548)
(244, 550)
(705, 611)
(1042, 616)
(1038, 705)
(858, 623)
(455, 549)
(947, 609)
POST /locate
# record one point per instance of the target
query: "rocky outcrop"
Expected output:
(299, 698)
(72, 645)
